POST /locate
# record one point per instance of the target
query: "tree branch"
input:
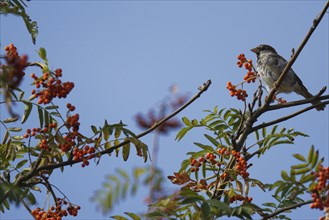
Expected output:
(286, 117)
(202, 89)
(277, 84)
(300, 102)
(286, 209)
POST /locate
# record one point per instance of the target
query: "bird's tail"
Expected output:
(306, 94)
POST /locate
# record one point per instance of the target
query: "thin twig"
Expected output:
(286, 209)
(286, 117)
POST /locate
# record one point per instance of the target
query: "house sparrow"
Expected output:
(270, 65)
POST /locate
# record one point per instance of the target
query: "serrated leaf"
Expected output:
(27, 111)
(126, 151)
(299, 157)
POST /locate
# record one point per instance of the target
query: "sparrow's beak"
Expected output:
(255, 50)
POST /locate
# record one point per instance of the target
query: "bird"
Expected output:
(270, 65)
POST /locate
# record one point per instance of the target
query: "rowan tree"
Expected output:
(214, 181)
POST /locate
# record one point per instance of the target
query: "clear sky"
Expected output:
(124, 55)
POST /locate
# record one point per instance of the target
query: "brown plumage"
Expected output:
(270, 65)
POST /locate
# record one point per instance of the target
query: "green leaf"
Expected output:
(205, 147)
(205, 210)
(21, 163)
(9, 120)
(302, 171)
(212, 140)
(94, 129)
(269, 204)
(182, 133)
(226, 115)
(133, 216)
(195, 122)
(42, 53)
(264, 132)
(126, 151)
(27, 111)
(117, 132)
(40, 114)
(310, 155)
(299, 157)
(274, 129)
(15, 129)
(315, 159)
(257, 135)
(186, 121)
(145, 151)
(51, 107)
(284, 175)
(118, 217)
(307, 178)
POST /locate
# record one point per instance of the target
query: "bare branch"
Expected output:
(286, 117)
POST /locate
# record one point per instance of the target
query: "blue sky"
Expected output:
(124, 55)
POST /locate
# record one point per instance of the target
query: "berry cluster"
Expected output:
(247, 64)
(241, 94)
(72, 122)
(250, 76)
(79, 154)
(241, 165)
(49, 86)
(35, 131)
(13, 71)
(245, 199)
(208, 158)
(321, 201)
(44, 141)
(56, 212)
